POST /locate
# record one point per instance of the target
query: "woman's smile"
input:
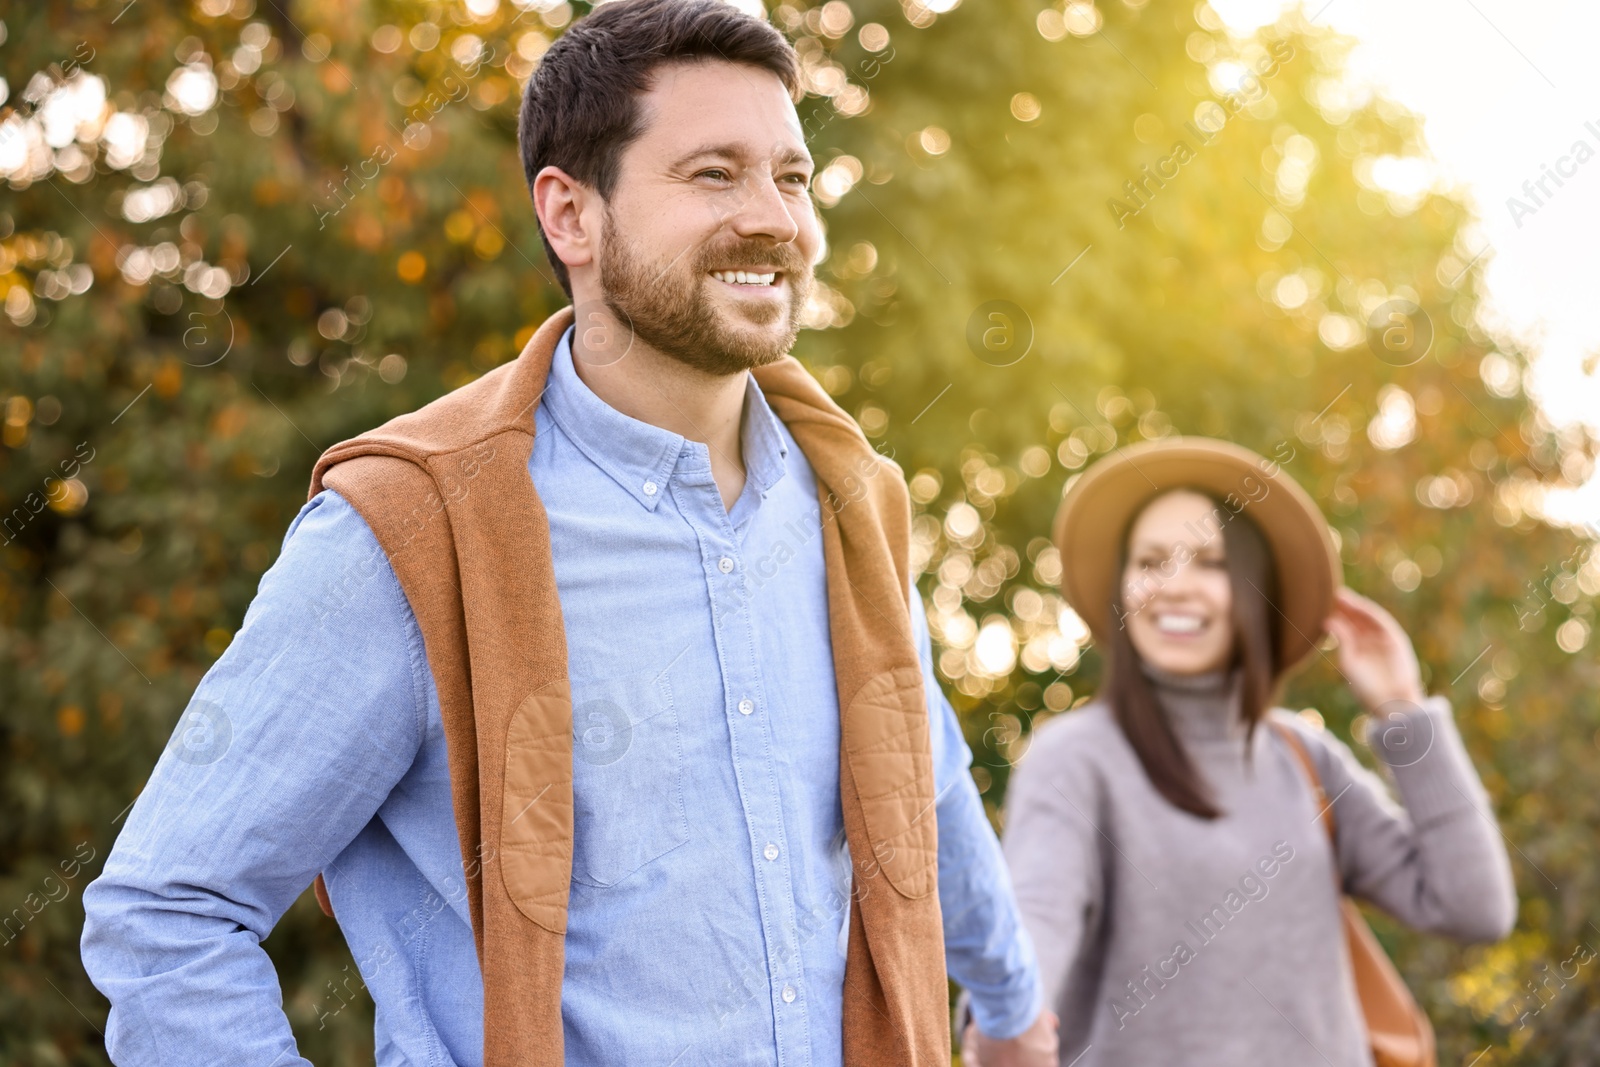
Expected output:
(1180, 625)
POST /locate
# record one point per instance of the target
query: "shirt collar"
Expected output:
(642, 457)
(762, 439)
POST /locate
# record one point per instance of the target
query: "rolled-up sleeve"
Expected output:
(289, 745)
(987, 950)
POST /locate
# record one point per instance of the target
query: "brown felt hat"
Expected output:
(1099, 505)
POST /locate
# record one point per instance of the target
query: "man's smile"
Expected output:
(750, 279)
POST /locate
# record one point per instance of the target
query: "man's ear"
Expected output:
(565, 209)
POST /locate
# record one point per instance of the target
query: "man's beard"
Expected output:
(667, 307)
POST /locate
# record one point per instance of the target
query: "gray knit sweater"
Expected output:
(1164, 938)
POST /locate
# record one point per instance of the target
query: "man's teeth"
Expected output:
(1178, 624)
(742, 277)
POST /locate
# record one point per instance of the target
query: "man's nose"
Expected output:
(762, 209)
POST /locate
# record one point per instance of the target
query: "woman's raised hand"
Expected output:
(1375, 655)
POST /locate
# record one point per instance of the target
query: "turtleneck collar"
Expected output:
(1201, 707)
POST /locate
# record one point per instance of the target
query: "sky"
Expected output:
(1506, 88)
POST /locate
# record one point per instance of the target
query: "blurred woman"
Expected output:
(1165, 840)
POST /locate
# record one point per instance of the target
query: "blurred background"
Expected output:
(235, 232)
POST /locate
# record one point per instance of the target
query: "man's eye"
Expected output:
(798, 179)
(716, 172)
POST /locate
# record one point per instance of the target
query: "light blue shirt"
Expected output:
(709, 880)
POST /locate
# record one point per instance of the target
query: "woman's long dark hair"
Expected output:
(1256, 626)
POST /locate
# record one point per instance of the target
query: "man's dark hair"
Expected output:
(581, 109)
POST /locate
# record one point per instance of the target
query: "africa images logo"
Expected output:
(1566, 166)
(1210, 118)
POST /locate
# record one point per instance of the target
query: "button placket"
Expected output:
(752, 753)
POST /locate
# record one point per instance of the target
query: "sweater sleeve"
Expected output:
(1438, 863)
(1051, 849)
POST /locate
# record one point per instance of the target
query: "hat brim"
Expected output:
(1097, 508)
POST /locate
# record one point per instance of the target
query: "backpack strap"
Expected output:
(1303, 757)
(1398, 1031)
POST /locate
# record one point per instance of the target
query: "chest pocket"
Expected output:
(627, 775)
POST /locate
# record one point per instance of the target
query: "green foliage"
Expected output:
(356, 208)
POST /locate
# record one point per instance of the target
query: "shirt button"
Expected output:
(650, 488)
(771, 852)
(746, 706)
(724, 564)
(788, 994)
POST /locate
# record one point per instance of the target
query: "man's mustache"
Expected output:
(786, 258)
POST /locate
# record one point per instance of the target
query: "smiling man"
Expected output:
(581, 789)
